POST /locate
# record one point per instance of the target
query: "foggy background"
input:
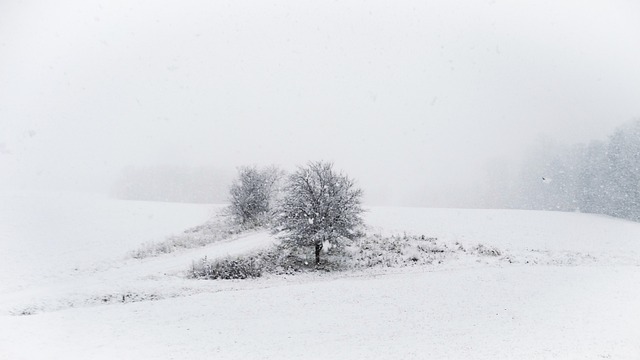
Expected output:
(425, 103)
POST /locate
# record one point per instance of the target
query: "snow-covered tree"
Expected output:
(624, 164)
(594, 173)
(320, 206)
(252, 195)
(601, 177)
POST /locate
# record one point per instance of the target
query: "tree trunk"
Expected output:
(318, 249)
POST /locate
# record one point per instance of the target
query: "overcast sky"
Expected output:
(412, 98)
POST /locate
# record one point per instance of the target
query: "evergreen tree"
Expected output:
(624, 162)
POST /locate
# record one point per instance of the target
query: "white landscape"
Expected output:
(286, 179)
(70, 289)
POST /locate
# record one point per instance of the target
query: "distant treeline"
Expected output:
(173, 184)
(601, 177)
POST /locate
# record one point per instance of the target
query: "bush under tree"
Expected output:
(320, 206)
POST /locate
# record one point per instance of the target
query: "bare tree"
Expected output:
(320, 205)
(252, 195)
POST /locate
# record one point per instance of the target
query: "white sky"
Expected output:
(411, 98)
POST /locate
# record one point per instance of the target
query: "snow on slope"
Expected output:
(128, 281)
(488, 313)
(484, 312)
(516, 230)
(71, 265)
(49, 235)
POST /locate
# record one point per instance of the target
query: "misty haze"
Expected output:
(286, 179)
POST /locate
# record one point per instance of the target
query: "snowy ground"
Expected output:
(50, 235)
(64, 259)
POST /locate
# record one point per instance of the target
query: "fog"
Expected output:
(416, 100)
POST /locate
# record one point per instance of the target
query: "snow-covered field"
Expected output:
(64, 260)
(50, 235)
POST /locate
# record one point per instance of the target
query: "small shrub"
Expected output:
(486, 250)
(228, 268)
(431, 248)
(396, 251)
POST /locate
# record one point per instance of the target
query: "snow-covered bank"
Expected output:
(128, 280)
(52, 235)
(488, 313)
(114, 306)
(515, 229)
